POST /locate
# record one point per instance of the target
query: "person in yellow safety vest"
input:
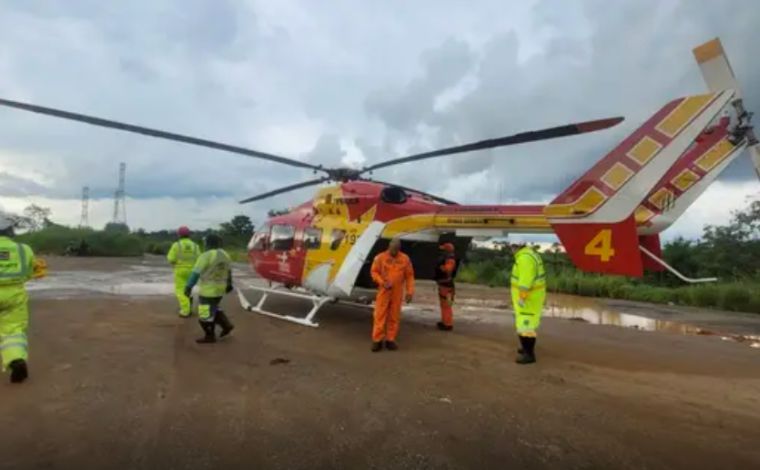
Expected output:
(182, 256)
(213, 274)
(528, 286)
(17, 266)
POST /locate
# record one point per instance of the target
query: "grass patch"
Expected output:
(57, 240)
(735, 296)
(238, 255)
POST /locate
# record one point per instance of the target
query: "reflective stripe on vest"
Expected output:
(23, 271)
(14, 341)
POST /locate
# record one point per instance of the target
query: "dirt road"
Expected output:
(118, 382)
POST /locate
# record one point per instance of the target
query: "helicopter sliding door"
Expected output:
(344, 281)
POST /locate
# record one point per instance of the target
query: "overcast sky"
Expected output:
(343, 82)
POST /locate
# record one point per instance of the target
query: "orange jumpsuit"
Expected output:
(396, 270)
(446, 291)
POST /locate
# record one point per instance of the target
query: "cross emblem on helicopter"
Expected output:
(283, 265)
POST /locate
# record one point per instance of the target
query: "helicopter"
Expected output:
(608, 220)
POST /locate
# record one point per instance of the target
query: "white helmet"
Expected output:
(6, 221)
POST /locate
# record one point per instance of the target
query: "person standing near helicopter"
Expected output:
(528, 286)
(393, 273)
(445, 272)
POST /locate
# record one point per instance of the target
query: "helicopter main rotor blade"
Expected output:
(96, 121)
(285, 189)
(417, 191)
(521, 138)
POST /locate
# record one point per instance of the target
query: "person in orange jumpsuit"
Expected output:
(445, 271)
(392, 272)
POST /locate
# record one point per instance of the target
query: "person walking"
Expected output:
(182, 256)
(213, 274)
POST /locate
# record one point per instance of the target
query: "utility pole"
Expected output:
(120, 198)
(84, 221)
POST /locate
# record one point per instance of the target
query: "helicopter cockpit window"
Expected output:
(337, 238)
(281, 237)
(312, 238)
(260, 239)
(393, 195)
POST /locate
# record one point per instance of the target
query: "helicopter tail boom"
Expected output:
(599, 217)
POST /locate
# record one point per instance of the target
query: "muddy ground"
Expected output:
(118, 382)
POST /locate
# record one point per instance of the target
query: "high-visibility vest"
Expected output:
(214, 267)
(184, 252)
(528, 272)
(16, 262)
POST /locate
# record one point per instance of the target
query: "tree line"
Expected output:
(729, 252)
(115, 239)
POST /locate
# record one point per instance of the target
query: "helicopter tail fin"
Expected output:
(595, 218)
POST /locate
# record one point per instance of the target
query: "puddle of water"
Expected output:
(481, 308)
(584, 310)
(601, 316)
(137, 281)
(487, 306)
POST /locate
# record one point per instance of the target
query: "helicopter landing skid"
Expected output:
(317, 303)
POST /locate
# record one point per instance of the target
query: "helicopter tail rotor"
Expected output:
(718, 75)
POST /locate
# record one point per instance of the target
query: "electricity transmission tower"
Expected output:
(120, 198)
(84, 221)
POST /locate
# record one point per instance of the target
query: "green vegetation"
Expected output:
(60, 240)
(730, 252)
(48, 238)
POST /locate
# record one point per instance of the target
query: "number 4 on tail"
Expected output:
(601, 246)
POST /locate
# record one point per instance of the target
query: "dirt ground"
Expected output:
(118, 382)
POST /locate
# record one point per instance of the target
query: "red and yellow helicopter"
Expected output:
(608, 220)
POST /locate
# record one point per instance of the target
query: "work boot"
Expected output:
(19, 372)
(525, 359)
(526, 352)
(444, 327)
(391, 345)
(377, 346)
(209, 336)
(524, 346)
(224, 322)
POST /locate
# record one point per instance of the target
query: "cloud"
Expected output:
(714, 207)
(443, 67)
(12, 185)
(302, 80)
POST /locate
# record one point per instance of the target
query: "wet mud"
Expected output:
(117, 381)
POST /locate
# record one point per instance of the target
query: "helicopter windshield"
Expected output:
(260, 239)
(282, 237)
